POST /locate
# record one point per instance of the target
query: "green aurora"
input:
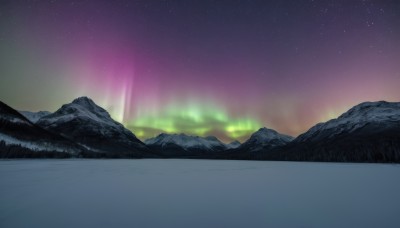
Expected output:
(194, 119)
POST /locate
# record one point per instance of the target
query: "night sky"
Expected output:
(223, 68)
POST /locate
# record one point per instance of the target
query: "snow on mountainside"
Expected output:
(81, 107)
(233, 145)
(383, 113)
(265, 138)
(34, 116)
(32, 145)
(186, 141)
(17, 130)
(85, 110)
(92, 127)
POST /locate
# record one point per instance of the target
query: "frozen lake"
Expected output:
(197, 193)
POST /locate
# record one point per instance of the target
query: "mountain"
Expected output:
(260, 143)
(89, 125)
(265, 139)
(233, 145)
(368, 132)
(34, 116)
(19, 137)
(384, 114)
(181, 145)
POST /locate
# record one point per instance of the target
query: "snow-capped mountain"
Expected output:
(34, 116)
(21, 138)
(233, 145)
(182, 144)
(264, 139)
(185, 141)
(82, 108)
(381, 113)
(92, 127)
(368, 132)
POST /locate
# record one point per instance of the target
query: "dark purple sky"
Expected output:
(221, 68)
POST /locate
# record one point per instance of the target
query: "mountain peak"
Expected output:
(234, 144)
(267, 134)
(266, 137)
(85, 106)
(211, 137)
(84, 101)
(266, 130)
(372, 109)
(382, 112)
(80, 108)
(91, 125)
(185, 141)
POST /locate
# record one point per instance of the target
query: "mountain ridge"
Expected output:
(34, 116)
(367, 132)
(20, 137)
(184, 145)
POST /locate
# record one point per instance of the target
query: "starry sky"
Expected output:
(201, 67)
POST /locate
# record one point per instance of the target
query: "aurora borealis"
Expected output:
(223, 68)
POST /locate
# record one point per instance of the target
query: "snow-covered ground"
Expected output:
(197, 193)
